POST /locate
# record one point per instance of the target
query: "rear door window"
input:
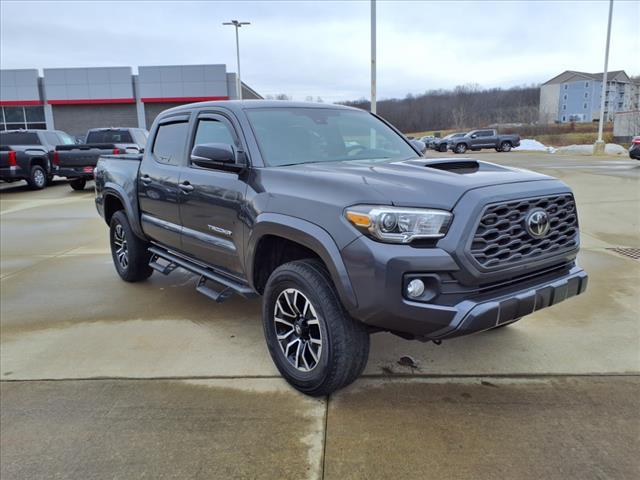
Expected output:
(170, 142)
(52, 138)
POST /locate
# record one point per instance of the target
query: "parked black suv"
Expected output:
(337, 220)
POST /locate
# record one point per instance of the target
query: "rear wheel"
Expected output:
(460, 148)
(37, 178)
(130, 253)
(505, 146)
(78, 183)
(317, 347)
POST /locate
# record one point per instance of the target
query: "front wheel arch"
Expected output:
(308, 236)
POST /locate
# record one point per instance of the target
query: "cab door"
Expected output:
(211, 201)
(158, 179)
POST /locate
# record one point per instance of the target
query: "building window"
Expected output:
(584, 106)
(586, 84)
(564, 118)
(564, 97)
(564, 107)
(16, 117)
(565, 86)
(620, 105)
(586, 95)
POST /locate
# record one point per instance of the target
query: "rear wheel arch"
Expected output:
(41, 161)
(112, 203)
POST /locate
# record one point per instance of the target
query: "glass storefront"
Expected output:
(16, 117)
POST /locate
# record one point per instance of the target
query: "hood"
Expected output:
(436, 183)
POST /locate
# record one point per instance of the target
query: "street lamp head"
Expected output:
(236, 23)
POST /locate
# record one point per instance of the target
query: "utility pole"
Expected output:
(237, 24)
(373, 56)
(598, 148)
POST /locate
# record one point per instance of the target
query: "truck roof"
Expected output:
(236, 105)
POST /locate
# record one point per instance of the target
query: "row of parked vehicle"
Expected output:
(38, 155)
(474, 140)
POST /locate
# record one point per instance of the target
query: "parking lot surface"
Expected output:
(102, 379)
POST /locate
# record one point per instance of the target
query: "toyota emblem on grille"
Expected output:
(537, 223)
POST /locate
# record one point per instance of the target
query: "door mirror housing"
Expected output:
(419, 145)
(220, 156)
(474, 136)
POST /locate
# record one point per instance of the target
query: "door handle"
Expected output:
(146, 179)
(186, 187)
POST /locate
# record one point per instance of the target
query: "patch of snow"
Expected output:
(530, 145)
(609, 149)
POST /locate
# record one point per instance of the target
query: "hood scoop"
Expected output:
(455, 166)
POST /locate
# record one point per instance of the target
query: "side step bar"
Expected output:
(227, 286)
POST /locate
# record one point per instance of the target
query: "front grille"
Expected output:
(502, 239)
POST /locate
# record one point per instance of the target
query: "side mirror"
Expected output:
(141, 150)
(420, 146)
(214, 155)
(474, 136)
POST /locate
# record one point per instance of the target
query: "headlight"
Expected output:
(397, 224)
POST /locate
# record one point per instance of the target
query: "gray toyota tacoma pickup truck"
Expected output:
(341, 225)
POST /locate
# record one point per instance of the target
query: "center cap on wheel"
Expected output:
(298, 329)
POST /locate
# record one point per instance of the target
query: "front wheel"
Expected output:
(505, 146)
(460, 148)
(129, 252)
(78, 183)
(443, 148)
(317, 347)
(37, 178)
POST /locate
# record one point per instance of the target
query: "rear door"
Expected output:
(158, 181)
(211, 201)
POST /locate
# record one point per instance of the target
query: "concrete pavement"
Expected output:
(66, 317)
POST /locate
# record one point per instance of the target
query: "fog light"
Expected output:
(415, 288)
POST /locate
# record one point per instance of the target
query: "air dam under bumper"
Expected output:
(471, 317)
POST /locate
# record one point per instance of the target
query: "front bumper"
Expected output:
(75, 172)
(470, 317)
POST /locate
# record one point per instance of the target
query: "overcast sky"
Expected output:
(322, 48)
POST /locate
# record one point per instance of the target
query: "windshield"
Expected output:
(289, 136)
(19, 138)
(109, 136)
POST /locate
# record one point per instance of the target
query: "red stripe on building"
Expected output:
(91, 101)
(180, 99)
(19, 103)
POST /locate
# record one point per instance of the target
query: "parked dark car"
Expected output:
(27, 155)
(487, 138)
(343, 227)
(441, 144)
(76, 162)
(634, 149)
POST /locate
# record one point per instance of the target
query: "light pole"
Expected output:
(238, 24)
(599, 146)
(373, 56)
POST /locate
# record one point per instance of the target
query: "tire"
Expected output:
(37, 178)
(442, 148)
(78, 183)
(132, 261)
(460, 148)
(313, 369)
(505, 147)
